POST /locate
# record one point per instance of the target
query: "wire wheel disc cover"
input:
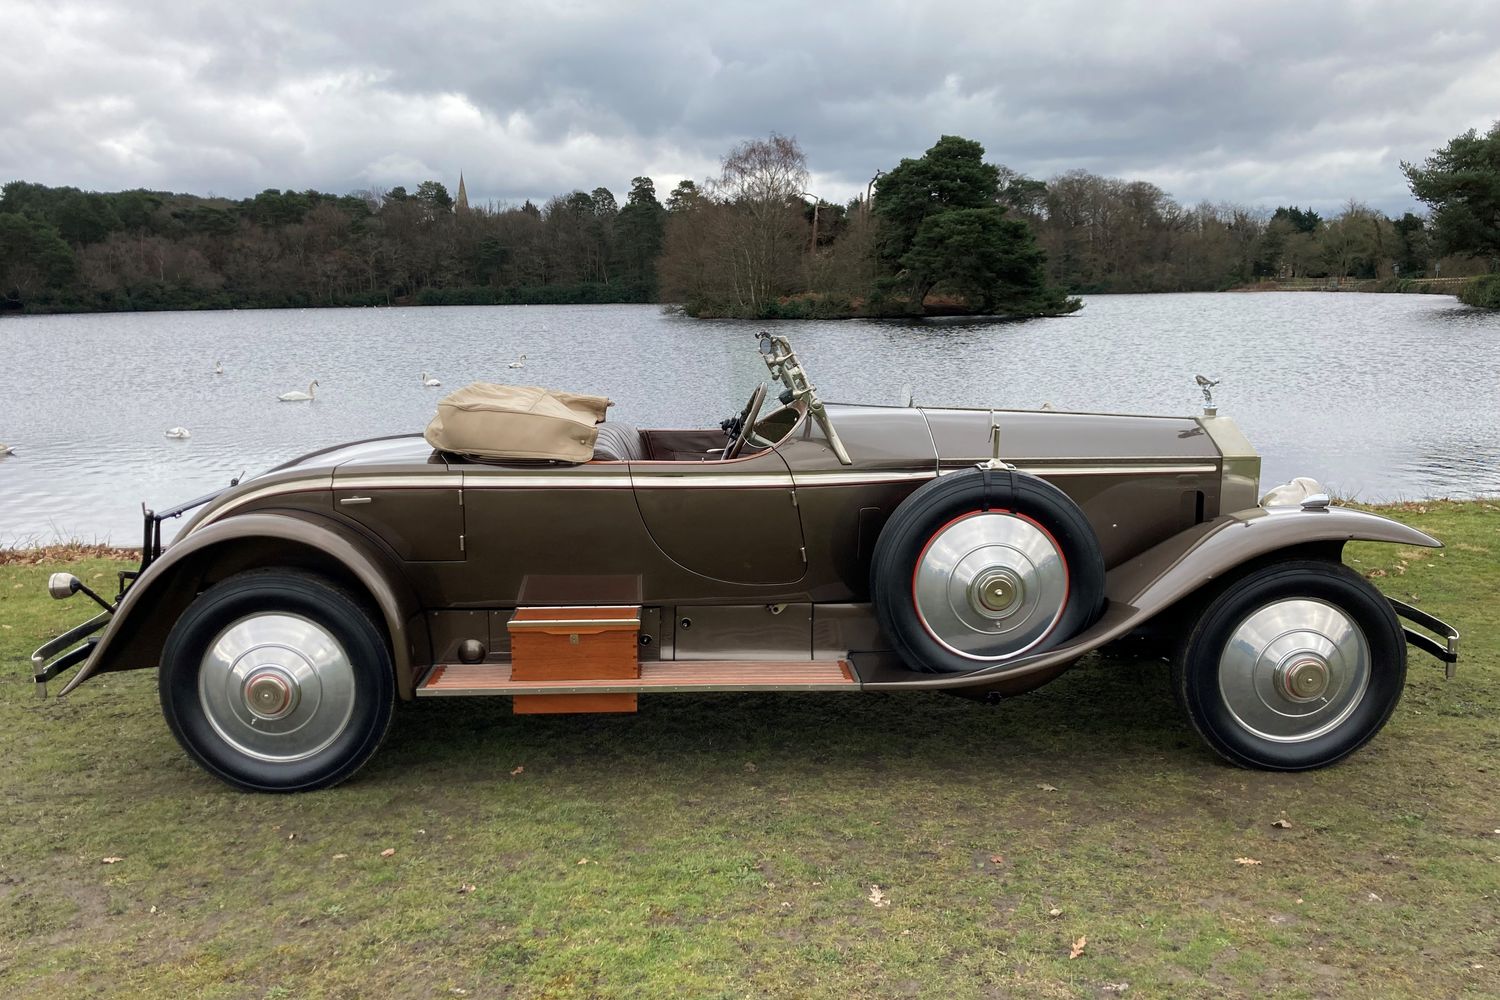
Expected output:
(990, 585)
(1294, 670)
(277, 687)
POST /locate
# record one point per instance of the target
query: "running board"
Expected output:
(667, 676)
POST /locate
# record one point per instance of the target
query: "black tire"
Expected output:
(1203, 668)
(944, 502)
(353, 700)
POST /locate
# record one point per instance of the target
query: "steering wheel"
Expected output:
(737, 429)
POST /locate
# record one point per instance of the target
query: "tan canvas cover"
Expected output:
(525, 422)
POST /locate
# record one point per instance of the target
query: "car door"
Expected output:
(735, 521)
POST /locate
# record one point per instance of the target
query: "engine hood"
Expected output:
(1031, 437)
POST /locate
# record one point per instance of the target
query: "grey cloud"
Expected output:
(1264, 103)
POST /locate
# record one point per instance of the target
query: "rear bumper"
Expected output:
(1446, 651)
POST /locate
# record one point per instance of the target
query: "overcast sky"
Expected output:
(1263, 103)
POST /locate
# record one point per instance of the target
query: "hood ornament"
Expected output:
(1207, 384)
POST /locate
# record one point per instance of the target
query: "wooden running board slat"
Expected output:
(663, 677)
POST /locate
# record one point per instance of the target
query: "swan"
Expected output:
(430, 383)
(178, 433)
(297, 397)
(218, 368)
(518, 363)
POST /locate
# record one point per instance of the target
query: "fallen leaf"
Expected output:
(1282, 824)
(340, 857)
(465, 889)
(1246, 861)
(877, 897)
(112, 861)
(1115, 987)
(586, 861)
(1374, 898)
(1046, 787)
(303, 921)
(153, 907)
(1054, 913)
(1375, 574)
(519, 768)
(291, 836)
(751, 767)
(997, 859)
(1078, 946)
(388, 852)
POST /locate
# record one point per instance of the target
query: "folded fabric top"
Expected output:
(522, 422)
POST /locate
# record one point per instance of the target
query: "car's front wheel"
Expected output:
(277, 681)
(1295, 666)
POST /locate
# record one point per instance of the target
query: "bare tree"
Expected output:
(761, 183)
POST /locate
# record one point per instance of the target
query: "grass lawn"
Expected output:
(727, 845)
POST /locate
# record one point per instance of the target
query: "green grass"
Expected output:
(732, 841)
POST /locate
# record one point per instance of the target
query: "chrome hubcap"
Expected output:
(1294, 670)
(277, 687)
(990, 585)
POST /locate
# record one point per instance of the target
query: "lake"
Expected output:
(1378, 396)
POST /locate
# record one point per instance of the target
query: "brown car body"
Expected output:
(762, 558)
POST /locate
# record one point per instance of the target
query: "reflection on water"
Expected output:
(1381, 396)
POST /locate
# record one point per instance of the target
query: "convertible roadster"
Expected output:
(574, 565)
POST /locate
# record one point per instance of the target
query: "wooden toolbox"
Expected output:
(575, 643)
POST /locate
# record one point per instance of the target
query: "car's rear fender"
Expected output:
(288, 539)
(1160, 578)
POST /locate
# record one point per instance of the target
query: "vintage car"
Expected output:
(812, 548)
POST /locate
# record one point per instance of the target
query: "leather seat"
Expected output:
(619, 442)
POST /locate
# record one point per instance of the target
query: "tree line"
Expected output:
(943, 232)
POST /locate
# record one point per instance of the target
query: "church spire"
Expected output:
(461, 203)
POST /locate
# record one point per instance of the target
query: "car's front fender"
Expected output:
(1163, 575)
(296, 539)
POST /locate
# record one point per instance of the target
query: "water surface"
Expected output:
(1379, 396)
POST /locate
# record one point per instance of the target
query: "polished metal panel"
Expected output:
(990, 585)
(1294, 670)
(276, 687)
(744, 632)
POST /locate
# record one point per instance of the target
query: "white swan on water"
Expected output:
(430, 383)
(297, 397)
(518, 363)
(178, 433)
(218, 368)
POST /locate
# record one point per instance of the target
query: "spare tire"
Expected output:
(981, 566)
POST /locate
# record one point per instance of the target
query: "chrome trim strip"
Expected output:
(412, 481)
(685, 479)
(571, 624)
(318, 485)
(1145, 468)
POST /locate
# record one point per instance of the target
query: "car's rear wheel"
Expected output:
(972, 570)
(1295, 666)
(277, 681)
